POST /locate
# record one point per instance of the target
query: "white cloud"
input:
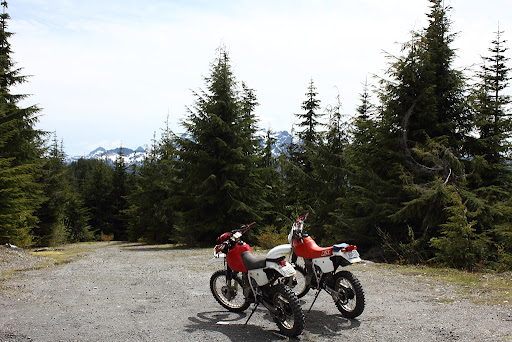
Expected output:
(115, 69)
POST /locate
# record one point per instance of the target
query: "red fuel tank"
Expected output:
(308, 249)
(234, 257)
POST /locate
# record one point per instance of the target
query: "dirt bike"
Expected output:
(319, 271)
(247, 279)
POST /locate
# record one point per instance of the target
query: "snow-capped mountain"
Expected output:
(130, 156)
(282, 138)
(137, 156)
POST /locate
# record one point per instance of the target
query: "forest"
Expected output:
(420, 174)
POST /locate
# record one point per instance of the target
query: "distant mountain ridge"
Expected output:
(138, 155)
(130, 156)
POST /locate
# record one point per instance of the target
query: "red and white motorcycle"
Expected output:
(247, 279)
(319, 271)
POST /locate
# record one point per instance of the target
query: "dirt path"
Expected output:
(141, 293)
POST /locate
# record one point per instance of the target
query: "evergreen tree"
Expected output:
(120, 190)
(221, 186)
(416, 145)
(330, 171)
(310, 119)
(77, 219)
(361, 211)
(97, 196)
(20, 151)
(52, 230)
(152, 210)
(489, 173)
(298, 167)
(433, 121)
(460, 244)
(272, 180)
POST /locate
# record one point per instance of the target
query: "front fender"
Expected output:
(221, 257)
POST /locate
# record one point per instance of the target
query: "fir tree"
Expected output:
(330, 171)
(416, 143)
(20, 151)
(152, 207)
(361, 210)
(489, 173)
(221, 187)
(309, 121)
(120, 189)
(52, 230)
(272, 180)
(298, 167)
(97, 195)
(460, 244)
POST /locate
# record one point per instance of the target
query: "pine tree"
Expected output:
(152, 208)
(97, 196)
(460, 244)
(302, 154)
(362, 210)
(272, 180)
(310, 119)
(52, 230)
(415, 146)
(221, 187)
(489, 173)
(120, 190)
(330, 172)
(20, 151)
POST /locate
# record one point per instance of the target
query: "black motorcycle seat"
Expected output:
(251, 262)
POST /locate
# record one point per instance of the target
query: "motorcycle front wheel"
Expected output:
(350, 294)
(288, 314)
(231, 296)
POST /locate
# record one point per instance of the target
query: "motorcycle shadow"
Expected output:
(322, 324)
(230, 324)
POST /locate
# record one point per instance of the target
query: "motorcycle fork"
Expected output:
(229, 277)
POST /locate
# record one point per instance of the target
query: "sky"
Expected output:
(110, 72)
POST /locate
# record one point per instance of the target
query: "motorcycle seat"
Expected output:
(251, 262)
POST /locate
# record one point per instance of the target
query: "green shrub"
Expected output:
(270, 237)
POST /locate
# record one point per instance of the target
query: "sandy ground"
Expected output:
(122, 292)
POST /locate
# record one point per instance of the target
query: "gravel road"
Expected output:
(123, 292)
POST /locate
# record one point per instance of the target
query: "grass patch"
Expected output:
(64, 254)
(479, 287)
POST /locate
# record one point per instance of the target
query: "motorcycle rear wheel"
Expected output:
(351, 300)
(289, 316)
(229, 296)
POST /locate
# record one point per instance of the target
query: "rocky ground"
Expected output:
(126, 292)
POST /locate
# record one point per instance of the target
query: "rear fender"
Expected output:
(279, 251)
(259, 275)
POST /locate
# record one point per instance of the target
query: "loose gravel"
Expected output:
(127, 292)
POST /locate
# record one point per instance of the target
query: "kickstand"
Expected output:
(314, 300)
(255, 307)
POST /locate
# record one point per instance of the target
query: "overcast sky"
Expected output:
(109, 72)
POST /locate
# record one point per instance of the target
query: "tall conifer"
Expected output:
(20, 151)
(152, 210)
(216, 161)
(489, 163)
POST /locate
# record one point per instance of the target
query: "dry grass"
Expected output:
(479, 287)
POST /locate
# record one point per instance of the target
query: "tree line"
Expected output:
(421, 173)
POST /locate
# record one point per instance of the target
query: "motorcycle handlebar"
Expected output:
(244, 228)
(299, 224)
(302, 218)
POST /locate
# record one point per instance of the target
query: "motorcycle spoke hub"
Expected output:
(228, 292)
